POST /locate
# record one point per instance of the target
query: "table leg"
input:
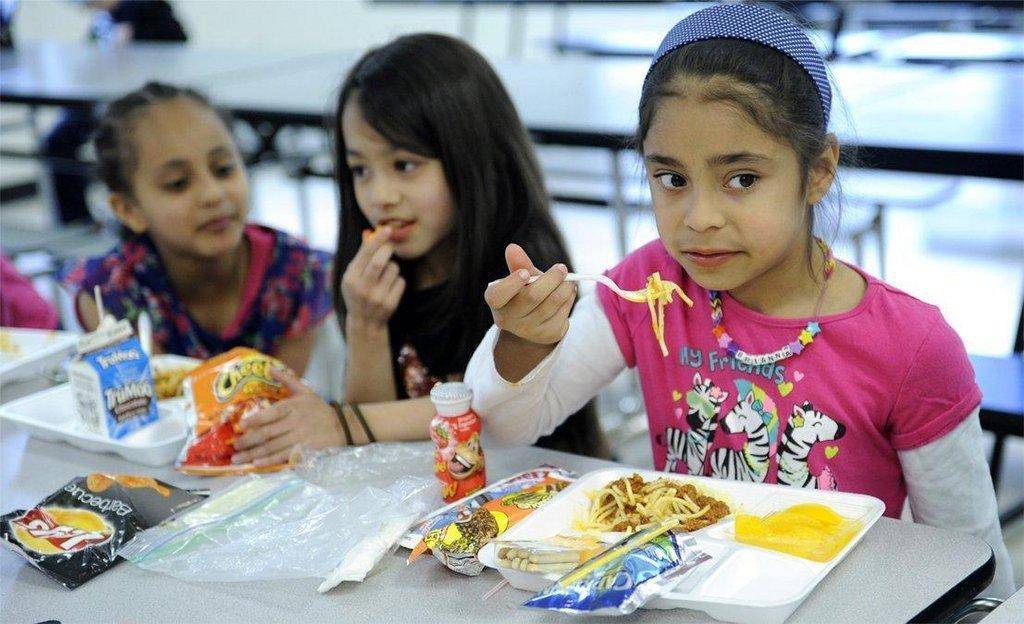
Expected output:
(619, 204)
(996, 464)
(467, 21)
(878, 223)
(517, 31)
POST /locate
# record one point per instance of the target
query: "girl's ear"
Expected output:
(823, 171)
(128, 213)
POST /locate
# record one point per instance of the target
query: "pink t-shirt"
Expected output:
(886, 376)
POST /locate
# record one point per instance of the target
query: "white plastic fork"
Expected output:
(632, 295)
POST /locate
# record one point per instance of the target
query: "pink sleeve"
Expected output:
(611, 303)
(938, 393)
(20, 304)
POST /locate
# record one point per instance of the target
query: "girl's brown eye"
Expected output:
(742, 181)
(176, 185)
(671, 181)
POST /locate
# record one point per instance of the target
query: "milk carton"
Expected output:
(112, 381)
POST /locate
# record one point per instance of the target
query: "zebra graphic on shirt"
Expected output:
(806, 427)
(705, 402)
(754, 414)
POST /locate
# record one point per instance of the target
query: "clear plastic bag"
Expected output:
(289, 525)
(346, 470)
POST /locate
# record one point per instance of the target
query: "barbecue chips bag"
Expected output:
(73, 534)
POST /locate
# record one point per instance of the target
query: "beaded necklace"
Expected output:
(804, 338)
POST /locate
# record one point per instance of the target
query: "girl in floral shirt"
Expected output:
(208, 280)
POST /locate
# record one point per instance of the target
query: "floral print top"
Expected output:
(287, 293)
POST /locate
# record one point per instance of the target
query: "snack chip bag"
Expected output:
(413, 539)
(456, 543)
(626, 576)
(73, 534)
(221, 393)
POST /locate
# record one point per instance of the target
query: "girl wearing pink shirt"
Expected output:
(790, 367)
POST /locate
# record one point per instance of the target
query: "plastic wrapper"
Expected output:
(278, 526)
(345, 470)
(413, 539)
(221, 393)
(456, 543)
(623, 578)
(73, 534)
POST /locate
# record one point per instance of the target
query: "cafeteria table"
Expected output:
(899, 572)
(914, 118)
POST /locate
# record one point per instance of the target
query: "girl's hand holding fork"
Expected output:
(533, 317)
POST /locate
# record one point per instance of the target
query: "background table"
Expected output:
(898, 572)
(925, 119)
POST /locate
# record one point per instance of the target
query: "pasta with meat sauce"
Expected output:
(630, 504)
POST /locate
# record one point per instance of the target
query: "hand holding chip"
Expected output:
(372, 285)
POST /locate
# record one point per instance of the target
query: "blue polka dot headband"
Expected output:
(755, 23)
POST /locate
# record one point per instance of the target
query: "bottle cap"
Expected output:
(452, 398)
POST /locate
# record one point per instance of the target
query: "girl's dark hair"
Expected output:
(438, 97)
(772, 89)
(116, 153)
(435, 96)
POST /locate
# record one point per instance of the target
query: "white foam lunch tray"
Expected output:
(50, 415)
(741, 583)
(37, 351)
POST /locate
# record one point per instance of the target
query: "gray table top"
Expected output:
(1010, 611)
(951, 47)
(55, 72)
(898, 569)
(570, 94)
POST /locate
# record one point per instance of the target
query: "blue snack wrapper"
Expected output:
(624, 583)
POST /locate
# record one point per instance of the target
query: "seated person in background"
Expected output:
(20, 304)
(208, 280)
(115, 23)
(436, 168)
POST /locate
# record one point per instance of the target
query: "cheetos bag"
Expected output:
(221, 393)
